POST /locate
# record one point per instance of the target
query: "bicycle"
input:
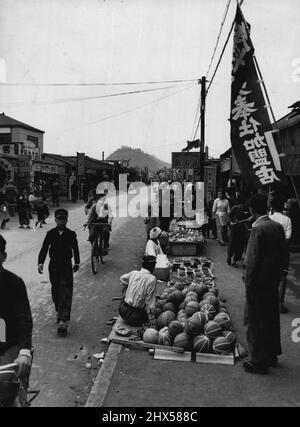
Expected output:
(97, 251)
(13, 393)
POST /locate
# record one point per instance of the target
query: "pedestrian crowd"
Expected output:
(26, 205)
(258, 232)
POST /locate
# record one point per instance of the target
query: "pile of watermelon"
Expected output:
(191, 316)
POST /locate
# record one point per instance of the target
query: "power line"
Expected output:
(100, 83)
(87, 98)
(223, 51)
(219, 36)
(115, 94)
(197, 128)
(133, 109)
(196, 116)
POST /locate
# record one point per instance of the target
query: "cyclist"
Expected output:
(15, 321)
(100, 213)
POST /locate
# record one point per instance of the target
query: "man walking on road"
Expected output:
(62, 245)
(264, 264)
(15, 320)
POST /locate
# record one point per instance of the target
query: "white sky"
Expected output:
(87, 41)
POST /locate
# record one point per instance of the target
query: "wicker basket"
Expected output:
(162, 274)
(184, 249)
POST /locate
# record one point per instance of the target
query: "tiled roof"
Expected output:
(289, 120)
(6, 121)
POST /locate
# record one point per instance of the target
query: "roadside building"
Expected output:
(186, 167)
(288, 146)
(230, 173)
(20, 146)
(87, 171)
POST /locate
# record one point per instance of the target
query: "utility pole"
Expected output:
(202, 128)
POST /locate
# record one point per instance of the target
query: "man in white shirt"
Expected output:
(138, 305)
(277, 204)
(101, 212)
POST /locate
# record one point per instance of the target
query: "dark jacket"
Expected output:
(15, 311)
(61, 248)
(23, 205)
(264, 263)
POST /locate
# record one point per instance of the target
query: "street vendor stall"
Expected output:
(185, 238)
(192, 322)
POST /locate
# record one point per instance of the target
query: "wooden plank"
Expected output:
(102, 382)
(214, 359)
(169, 355)
(141, 345)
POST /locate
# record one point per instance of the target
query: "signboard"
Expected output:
(25, 165)
(29, 149)
(80, 164)
(210, 179)
(6, 172)
(44, 168)
(252, 142)
(226, 165)
(9, 149)
(185, 161)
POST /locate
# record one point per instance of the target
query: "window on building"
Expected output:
(5, 138)
(34, 139)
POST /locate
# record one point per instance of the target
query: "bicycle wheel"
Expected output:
(95, 257)
(101, 249)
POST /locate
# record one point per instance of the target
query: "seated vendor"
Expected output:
(138, 306)
(153, 247)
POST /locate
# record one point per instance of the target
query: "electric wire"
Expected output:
(132, 109)
(88, 98)
(196, 117)
(100, 83)
(222, 53)
(197, 128)
(219, 36)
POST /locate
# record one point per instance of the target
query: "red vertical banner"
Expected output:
(251, 137)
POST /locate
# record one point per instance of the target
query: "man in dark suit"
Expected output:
(15, 320)
(264, 263)
(62, 245)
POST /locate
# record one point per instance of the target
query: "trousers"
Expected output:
(105, 232)
(132, 316)
(61, 278)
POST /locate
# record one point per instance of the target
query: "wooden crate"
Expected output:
(162, 274)
(162, 354)
(184, 249)
(215, 359)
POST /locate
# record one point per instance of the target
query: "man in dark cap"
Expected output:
(138, 305)
(15, 320)
(62, 245)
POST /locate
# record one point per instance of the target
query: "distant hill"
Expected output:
(138, 159)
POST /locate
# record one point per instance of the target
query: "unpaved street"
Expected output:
(60, 364)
